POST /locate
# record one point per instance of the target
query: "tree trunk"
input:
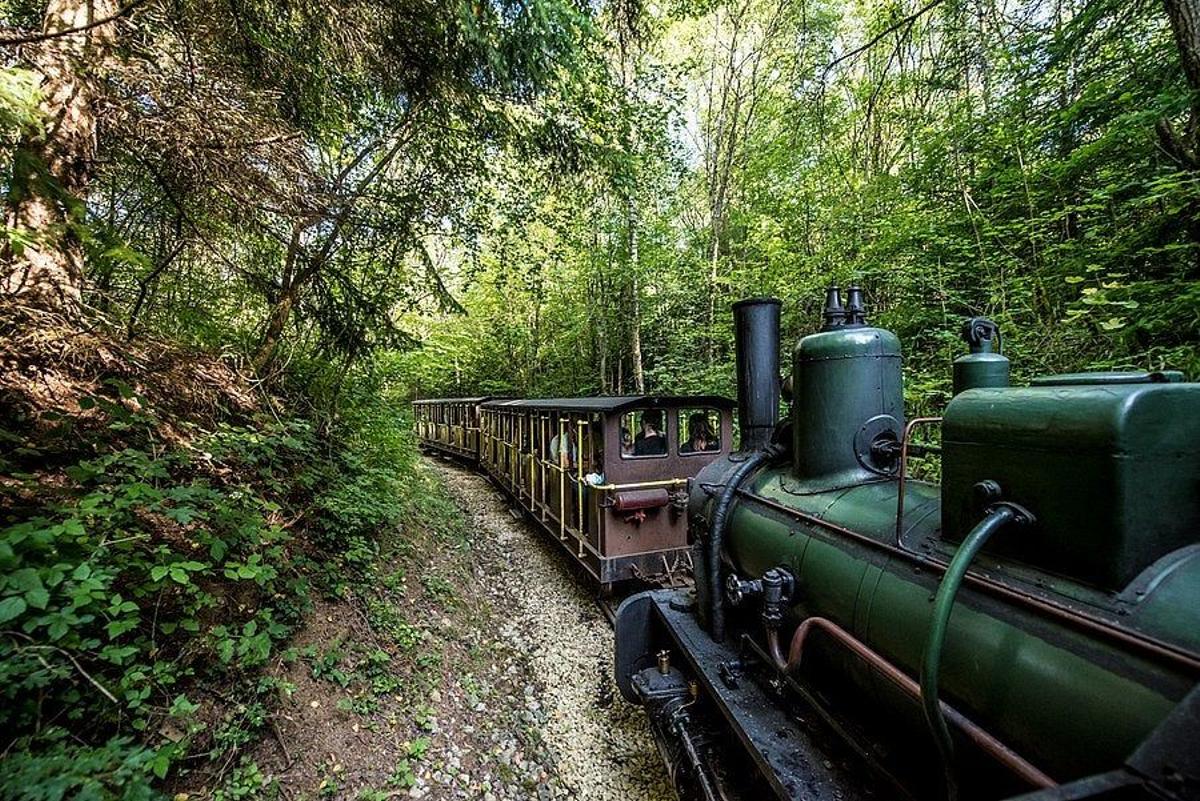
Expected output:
(52, 168)
(273, 332)
(1185, 148)
(635, 300)
(1185, 23)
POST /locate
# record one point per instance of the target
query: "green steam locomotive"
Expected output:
(1029, 627)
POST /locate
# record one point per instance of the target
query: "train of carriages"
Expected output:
(1028, 627)
(605, 477)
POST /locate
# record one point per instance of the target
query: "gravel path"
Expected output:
(599, 746)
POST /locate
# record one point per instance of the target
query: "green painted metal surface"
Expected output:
(982, 367)
(1111, 471)
(844, 380)
(1069, 702)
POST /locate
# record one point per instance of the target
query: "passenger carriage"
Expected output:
(589, 472)
(450, 426)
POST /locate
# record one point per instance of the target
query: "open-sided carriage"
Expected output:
(607, 477)
(449, 425)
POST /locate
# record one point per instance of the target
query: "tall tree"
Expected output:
(53, 167)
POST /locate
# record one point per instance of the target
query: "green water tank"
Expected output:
(984, 366)
(1108, 463)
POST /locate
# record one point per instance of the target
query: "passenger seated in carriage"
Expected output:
(650, 441)
(564, 456)
(595, 465)
(700, 435)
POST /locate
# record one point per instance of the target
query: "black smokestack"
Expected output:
(756, 327)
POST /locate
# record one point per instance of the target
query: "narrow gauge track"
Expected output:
(606, 601)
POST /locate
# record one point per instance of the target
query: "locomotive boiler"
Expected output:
(1029, 626)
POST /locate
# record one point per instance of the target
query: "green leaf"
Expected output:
(158, 572)
(58, 629)
(183, 514)
(182, 707)
(24, 580)
(179, 575)
(37, 598)
(11, 608)
(118, 627)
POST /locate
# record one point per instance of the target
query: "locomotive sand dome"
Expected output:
(1030, 626)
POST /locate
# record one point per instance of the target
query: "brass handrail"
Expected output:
(562, 481)
(667, 482)
(579, 481)
(908, 432)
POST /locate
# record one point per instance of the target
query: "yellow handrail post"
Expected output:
(562, 480)
(579, 480)
(543, 420)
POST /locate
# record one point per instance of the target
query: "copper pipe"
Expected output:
(908, 432)
(1072, 617)
(773, 647)
(980, 737)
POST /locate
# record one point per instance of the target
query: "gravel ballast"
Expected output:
(597, 746)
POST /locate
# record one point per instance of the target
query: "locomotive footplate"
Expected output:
(795, 757)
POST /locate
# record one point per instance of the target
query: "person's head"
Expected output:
(626, 438)
(698, 427)
(651, 420)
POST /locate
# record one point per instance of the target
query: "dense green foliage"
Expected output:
(985, 158)
(154, 569)
(217, 438)
(325, 209)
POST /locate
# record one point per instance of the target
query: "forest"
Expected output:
(241, 236)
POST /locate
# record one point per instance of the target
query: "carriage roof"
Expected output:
(426, 401)
(612, 403)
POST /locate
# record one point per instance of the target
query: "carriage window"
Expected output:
(699, 431)
(643, 434)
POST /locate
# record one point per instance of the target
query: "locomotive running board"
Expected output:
(787, 755)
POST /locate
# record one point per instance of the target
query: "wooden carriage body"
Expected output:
(620, 514)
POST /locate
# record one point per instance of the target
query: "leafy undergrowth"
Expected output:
(160, 542)
(360, 688)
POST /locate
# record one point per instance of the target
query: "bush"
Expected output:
(135, 573)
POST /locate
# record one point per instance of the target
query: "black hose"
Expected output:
(716, 534)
